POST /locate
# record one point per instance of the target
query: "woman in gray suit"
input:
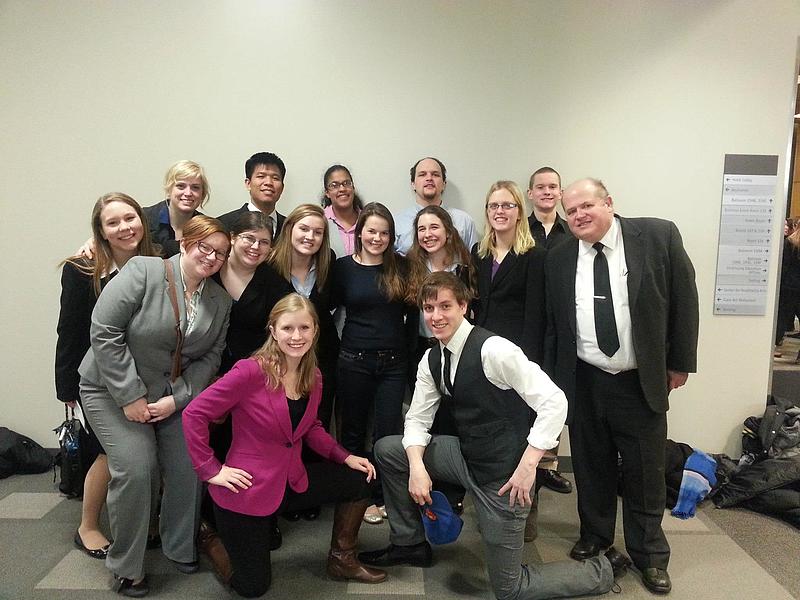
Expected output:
(133, 393)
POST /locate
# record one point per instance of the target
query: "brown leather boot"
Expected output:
(343, 564)
(209, 543)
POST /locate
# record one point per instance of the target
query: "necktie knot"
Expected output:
(599, 247)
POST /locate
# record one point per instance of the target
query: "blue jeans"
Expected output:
(370, 380)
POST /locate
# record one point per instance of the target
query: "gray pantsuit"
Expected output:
(501, 527)
(133, 339)
(159, 450)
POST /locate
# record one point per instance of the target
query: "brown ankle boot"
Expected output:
(209, 543)
(343, 564)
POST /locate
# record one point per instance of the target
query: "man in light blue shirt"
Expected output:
(428, 180)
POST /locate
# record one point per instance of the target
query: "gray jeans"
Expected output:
(502, 528)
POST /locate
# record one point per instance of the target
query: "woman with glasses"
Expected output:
(119, 234)
(246, 278)
(510, 299)
(371, 380)
(342, 205)
(511, 295)
(154, 347)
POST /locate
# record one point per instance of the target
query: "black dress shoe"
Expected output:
(275, 538)
(458, 508)
(554, 480)
(126, 587)
(619, 562)
(292, 516)
(99, 553)
(584, 549)
(656, 580)
(418, 555)
(187, 568)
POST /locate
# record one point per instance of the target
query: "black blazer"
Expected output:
(229, 220)
(512, 305)
(74, 319)
(162, 233)
(247, 330)
(663, 305)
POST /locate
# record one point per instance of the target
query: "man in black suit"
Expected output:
(264, 174)
(548, 230)
(622, 333)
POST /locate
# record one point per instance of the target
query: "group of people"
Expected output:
(236, 369)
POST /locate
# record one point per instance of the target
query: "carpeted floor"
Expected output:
(720, 554)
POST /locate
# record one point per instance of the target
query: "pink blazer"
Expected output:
(263, 444)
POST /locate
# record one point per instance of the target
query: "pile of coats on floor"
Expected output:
(767, 477)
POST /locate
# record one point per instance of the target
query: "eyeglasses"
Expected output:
(335, 185)
(493, 206)
(208, 250)
(253, 241)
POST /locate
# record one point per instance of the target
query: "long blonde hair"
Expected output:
(99, 266)
(281, 256)
(270, 357)
(523, 240)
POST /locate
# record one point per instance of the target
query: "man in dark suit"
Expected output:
(264, 174)
(548, 230)
(622, 333)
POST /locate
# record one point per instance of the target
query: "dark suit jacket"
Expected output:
(229, 219)
(162, 233)
(512, 305)
(663, 306)
(77, 302)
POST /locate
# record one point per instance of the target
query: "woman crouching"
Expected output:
(272, 398)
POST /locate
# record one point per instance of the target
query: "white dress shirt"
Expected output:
(624, 359)
(506, 367)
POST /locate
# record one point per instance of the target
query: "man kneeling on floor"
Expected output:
(488, 384)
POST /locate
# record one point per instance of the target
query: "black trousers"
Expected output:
(246, 537)
(610, 418)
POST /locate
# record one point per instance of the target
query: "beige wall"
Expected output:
(648, 96)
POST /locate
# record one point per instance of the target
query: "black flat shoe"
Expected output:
(656, 580)
(187, 568)
(292, 516)
(311, 514)
(584, 549)
(99, 553)
(126, 587)
(418, 555)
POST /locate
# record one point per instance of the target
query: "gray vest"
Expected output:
(492, 424)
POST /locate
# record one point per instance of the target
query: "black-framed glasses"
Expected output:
(252, 241)
(493, 206)
(208, 250)
(335, 185)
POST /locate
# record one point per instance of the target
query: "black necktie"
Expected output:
(605, 325)
(448, 383)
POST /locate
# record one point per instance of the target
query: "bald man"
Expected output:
(622, 333)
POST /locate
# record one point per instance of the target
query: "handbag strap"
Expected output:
(173, 296)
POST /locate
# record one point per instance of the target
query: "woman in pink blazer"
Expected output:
(272, 398)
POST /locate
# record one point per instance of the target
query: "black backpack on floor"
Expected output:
(21, 455)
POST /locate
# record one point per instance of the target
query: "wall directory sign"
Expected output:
(748, 218)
